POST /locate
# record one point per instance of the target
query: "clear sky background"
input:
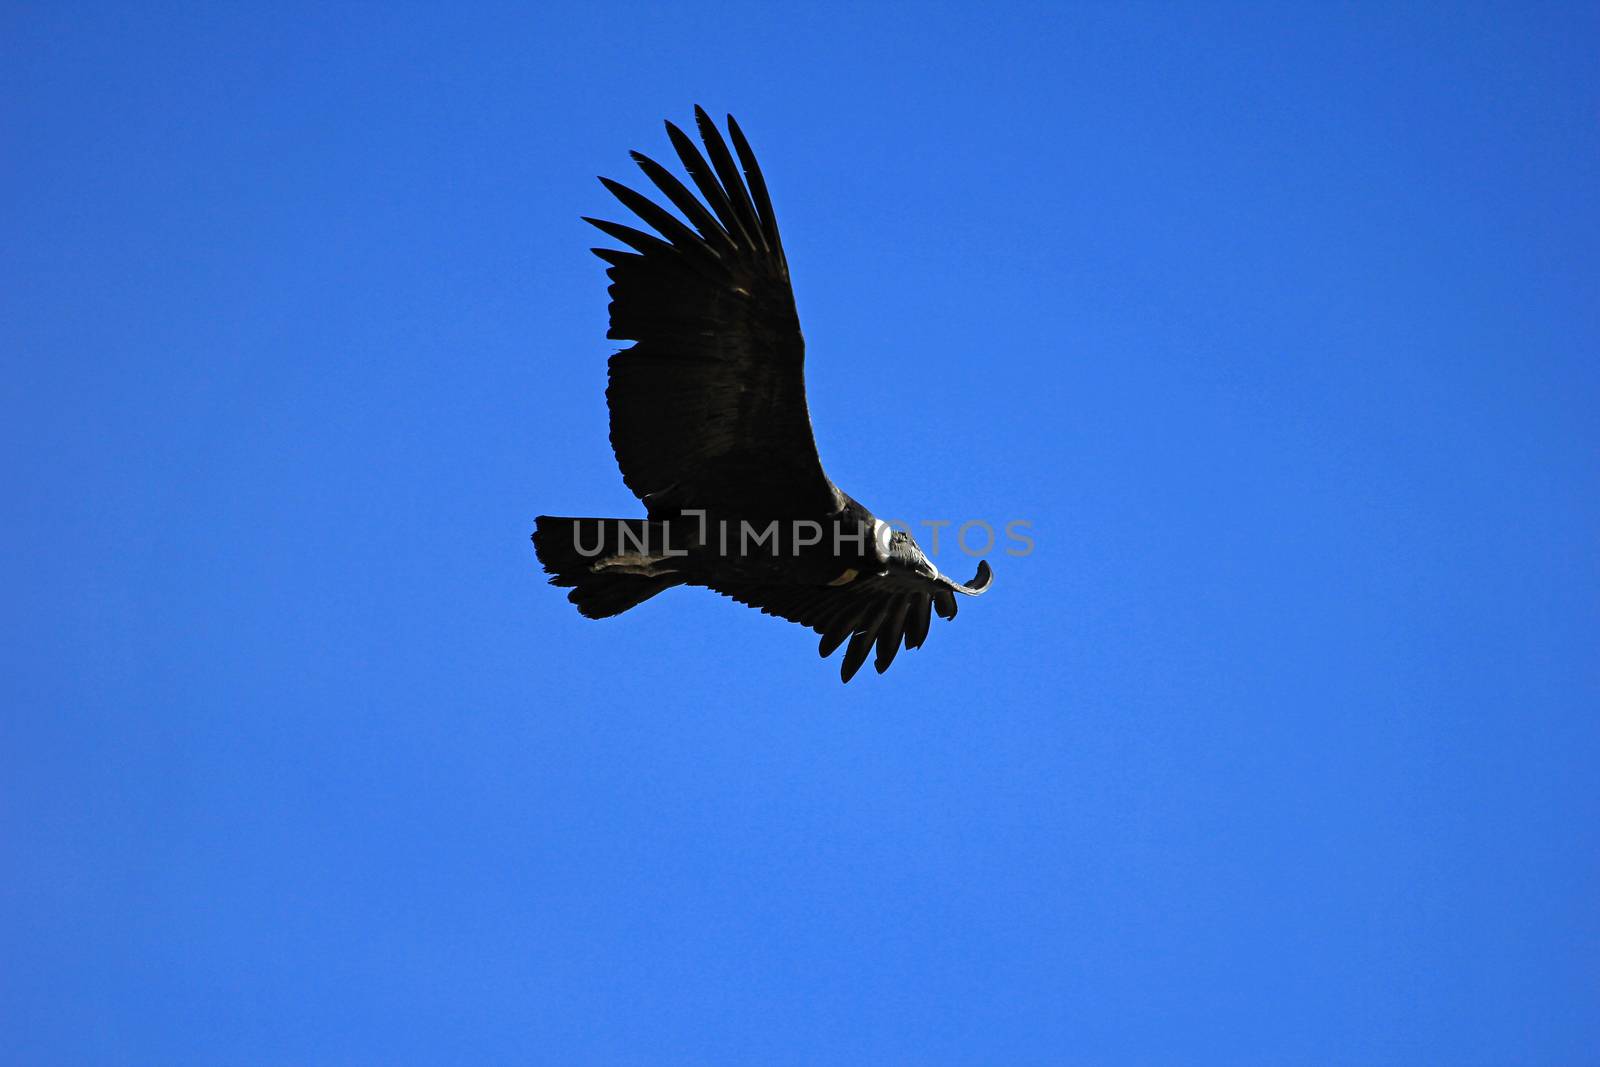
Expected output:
(1280, 324)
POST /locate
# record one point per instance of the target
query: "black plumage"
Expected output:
(711, 431)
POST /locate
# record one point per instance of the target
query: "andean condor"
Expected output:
(710, 428)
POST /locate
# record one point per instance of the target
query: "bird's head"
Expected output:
(904, 554)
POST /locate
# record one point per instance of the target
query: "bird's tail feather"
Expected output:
(610, 565)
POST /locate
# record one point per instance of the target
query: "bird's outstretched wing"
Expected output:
(886, 612)
(708, 407)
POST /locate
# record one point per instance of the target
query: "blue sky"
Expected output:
(1278, 323)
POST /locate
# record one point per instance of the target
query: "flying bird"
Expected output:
(711, 431)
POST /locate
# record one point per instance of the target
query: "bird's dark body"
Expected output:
(711, 430)
(706, 548)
